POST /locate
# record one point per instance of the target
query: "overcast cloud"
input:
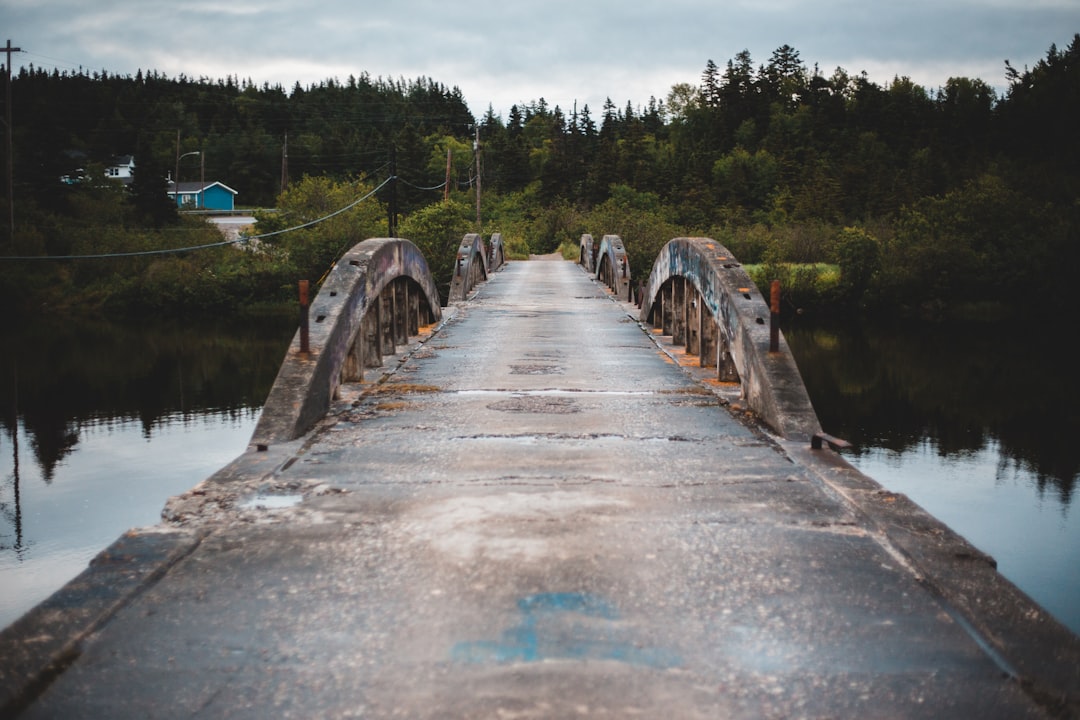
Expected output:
(502, 52)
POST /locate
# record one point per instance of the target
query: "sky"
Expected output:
(503, 52)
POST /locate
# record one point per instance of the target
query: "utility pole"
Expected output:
(176, 177)
(176, 180)
(392, 220)
(285, 163)
(476, 152)
(10, 161)
(446, 185)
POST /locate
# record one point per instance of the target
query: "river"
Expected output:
(978, 425)
(102, 422)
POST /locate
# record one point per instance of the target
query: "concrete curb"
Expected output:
(1027, 643)
(45, 641)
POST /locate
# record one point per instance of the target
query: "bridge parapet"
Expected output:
(496, 252)
(701, 296)
(470, 266)
(378, 295)
(587, 250)
(613, 267)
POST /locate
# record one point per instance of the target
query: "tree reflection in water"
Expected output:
(59, 376)
(974, 424)
(113, 391)
(959, 389)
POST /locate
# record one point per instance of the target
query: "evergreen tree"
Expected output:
(153, 207)
(710, 85)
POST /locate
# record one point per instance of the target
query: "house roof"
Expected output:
(187, 188)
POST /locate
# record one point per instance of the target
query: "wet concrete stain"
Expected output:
(537, 404)
(536, 369)
(565, 626)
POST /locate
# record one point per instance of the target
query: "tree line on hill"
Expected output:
(926, 200)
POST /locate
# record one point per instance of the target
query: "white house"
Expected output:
(121, 168)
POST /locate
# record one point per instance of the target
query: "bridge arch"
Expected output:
(701, 296)
(587, 250)
(496, 252)
(613, 267)
(378, 295)
(470, 266)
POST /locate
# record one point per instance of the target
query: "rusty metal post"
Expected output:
(774, 318)
(305, 346)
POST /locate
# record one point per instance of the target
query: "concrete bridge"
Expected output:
(571, 492)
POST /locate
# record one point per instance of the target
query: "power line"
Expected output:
(350, 206)
(440, 186)
(56, 61)
(166, 251)
(243, 240)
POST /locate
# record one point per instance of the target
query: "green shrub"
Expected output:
(812, 286)
(438, 230)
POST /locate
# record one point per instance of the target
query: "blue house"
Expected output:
(202, 195)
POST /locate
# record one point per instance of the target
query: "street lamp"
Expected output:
(176, 178)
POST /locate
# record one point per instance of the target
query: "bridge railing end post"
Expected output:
(774, 317)
(305, 343)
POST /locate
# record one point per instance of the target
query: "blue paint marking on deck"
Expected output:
(565, 626)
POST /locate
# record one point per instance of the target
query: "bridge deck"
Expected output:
(539, 515)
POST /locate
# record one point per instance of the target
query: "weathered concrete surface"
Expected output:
(470, 267)
(541, 515)
(613, 267)
(770, 381)
(351, 318)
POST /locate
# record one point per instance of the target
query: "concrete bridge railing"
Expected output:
(496, 252)
(608, 262)
(587, 250)
(613, 267)
(378, 295)
(470, 266)
(703, 298)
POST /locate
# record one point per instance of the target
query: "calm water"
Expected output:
(978, 426)
(102, 423)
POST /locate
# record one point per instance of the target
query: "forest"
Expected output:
(882, 198)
